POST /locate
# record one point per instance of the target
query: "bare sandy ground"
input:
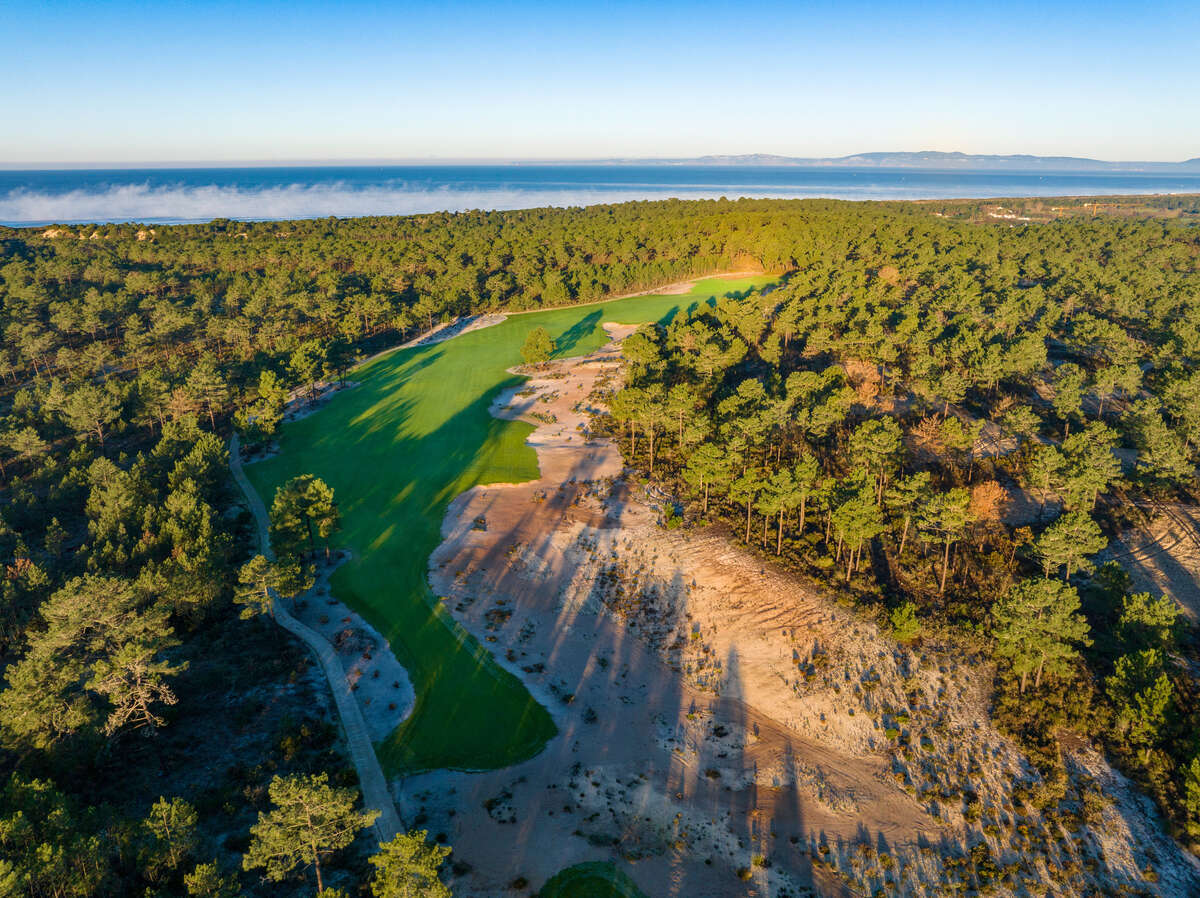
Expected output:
(444, 332)
(723, 728)
(379, 682)
(1163, 555)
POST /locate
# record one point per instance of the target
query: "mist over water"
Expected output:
(196, 195)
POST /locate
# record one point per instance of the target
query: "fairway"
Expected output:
(397, 449)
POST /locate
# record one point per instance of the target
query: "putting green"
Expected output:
(595, 879)
(396, 450)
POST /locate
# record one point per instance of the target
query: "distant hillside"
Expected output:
(933, 159)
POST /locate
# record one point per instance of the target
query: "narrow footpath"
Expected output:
(374, 784)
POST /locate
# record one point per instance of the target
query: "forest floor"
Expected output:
(659, 652)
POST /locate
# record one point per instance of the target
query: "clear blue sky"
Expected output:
(164, 81)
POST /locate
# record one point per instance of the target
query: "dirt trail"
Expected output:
(659, 653)
(374, 785)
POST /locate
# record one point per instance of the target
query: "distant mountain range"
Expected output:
(931, 159)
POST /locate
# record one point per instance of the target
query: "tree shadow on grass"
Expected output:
(394, 481)
(578, 331)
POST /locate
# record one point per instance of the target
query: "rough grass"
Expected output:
(397, 449)
(596, 879)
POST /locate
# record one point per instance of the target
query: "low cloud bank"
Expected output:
(146, 203)
(167, 203)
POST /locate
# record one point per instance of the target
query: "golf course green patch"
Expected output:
(595, 879)
(397, 449)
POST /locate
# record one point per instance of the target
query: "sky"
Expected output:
(171, 82)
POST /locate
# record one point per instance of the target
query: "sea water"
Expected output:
(170, 195)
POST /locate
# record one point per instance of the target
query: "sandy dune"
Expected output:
(658, 651)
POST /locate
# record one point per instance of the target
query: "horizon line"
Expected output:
(111, 165)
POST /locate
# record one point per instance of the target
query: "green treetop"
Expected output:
(1036, 628)
(308, 820)
(538, 347)
(407, 867)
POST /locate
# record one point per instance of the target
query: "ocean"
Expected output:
(173, 195)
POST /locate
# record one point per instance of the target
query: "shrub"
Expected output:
(905, 626)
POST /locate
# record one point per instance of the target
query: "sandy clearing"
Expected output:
(675, 774)
(451, 329)
(1163, 555)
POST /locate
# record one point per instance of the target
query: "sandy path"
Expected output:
(375, 791)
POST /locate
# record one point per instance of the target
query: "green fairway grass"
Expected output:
(396, 450)
(596, 879)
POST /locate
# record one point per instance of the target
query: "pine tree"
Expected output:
(1149, 623)
(856, 521)
(1043, 472)
(171, 830)
(207, 881)
(905, 626)
(708, 467)
(744, 490)
(946, 516)
(1069, 381)
(904, 498)
(88, 409)
(256, 581)
(538, 347)
(1144, 697)
(1068, 542)
(303, 511)
(1191, 795)
(308, 820)
(806, 475)
(407, 867)
(208, 385)
(1036, 627)
(876, 443)
(1162, 455)
(1089, 465)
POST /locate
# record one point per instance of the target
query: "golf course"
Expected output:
(397, 448)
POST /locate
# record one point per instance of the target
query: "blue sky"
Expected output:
(124, 82)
